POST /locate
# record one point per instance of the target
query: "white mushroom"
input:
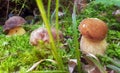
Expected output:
(93, 32)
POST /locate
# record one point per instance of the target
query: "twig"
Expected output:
(22, 7)
(7, 8)
(37, 63)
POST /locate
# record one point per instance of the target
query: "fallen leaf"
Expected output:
(71, 64)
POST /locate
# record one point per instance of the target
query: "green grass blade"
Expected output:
(97, 63)
(54, 71)
(115, 62)
(49, 4)
(114, 68)
(78, 55)
(53, 47)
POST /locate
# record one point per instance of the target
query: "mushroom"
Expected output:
(93, 32)
(42, 34)
(14, 26)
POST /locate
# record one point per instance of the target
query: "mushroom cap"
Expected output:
(13, 22)
(93, 28)
(42, 34)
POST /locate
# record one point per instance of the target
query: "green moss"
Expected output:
(101, 11)
(16, 53)
(113, 39)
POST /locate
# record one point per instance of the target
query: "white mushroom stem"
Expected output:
(94, 47)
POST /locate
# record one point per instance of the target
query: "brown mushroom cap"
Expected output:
(13, 22)
(93, 28)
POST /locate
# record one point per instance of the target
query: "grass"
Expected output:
(56, 55)
(75, 39)
(15, 52)
(17, 55)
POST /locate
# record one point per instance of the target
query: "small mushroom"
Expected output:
(93, 32)
(14, 26)
(42, 34)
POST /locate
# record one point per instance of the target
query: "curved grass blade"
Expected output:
(115, 62)
(97, 63)
(37, 63)
(114, 68)
(54, 71)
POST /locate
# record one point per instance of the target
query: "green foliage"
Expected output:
(101, 11)
(75, 39)
(109, 2)
(29, 28)
(113, 49)
(14, 52)
(117, 69)
(53, 71)
(1, 30)
(111, 63)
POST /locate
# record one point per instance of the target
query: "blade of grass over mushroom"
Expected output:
(53, 47)
(76, 38)
(49, 4)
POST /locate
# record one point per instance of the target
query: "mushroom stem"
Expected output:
(93, 47)
(16, 31)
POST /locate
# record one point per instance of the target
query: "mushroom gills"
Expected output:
(96, 48)
(16, 31)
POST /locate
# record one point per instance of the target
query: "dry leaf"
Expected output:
(71, 64)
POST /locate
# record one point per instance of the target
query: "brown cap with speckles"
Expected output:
(93, 28)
